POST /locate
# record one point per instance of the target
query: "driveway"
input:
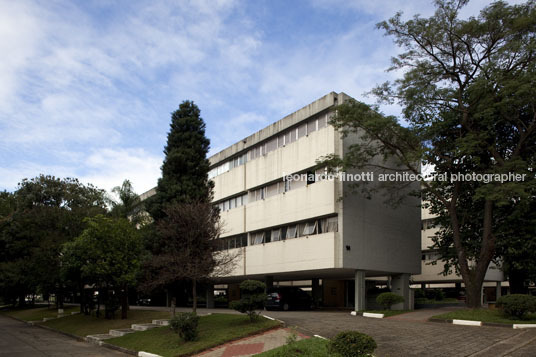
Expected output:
(18, 339)
(411, 336)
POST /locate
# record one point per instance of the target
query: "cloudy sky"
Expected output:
(87, 87)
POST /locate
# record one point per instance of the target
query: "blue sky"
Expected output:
(87, 87)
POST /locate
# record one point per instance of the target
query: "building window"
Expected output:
(333, 224)
(311, 178)
(272, 190)
(257, 238)
(291, 232)
(310, 228)
(276, 235)
(302, 130)
(322, 122)
(232, 242)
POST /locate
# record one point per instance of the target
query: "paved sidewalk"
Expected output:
(18, 339)
(252, 345)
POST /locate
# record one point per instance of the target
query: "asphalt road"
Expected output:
(18, 339)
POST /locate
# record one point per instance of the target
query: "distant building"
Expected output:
(431, 275)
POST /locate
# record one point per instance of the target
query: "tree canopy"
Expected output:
(108, 254)
(42, 214)
(468, 97)
(185, 168)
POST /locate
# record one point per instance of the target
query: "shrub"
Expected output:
(420, 294)
(435, 294)
(389, 299)
(185, 324)
(252, 298)
(517, 305)
(352, 344)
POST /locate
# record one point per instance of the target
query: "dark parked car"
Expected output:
(288, 298)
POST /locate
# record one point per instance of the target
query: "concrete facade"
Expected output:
(312, 230)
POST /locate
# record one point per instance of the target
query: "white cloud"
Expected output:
(108, 168)
(229, 131)
(87, 87)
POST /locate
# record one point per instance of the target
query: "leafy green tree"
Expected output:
(468, 99)
(48, 212)
(108, 253)
(185, 168)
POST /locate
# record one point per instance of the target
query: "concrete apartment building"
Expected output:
(301, 231)
(431, 275)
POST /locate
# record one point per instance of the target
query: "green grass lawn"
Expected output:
(438, 302)
(214, 330)
(38, 313)
(388, 313)
(313, 347)
(484, 315)
(82, 325)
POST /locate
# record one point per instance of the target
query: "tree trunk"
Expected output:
(473, 295)
(194, 292)
(124, 302)
(22, 299)
(59, 298)
(82, 298)
(99, 297)
(473, 277)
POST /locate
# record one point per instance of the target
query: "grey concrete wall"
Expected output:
(381, 238)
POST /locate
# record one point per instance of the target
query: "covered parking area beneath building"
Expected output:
(330, 288)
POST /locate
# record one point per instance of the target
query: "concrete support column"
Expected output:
(210, 296)
(316, 291)
(269, 281)
(360, 298)
(498, 292)
(400, 286)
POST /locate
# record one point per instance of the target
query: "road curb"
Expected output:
(373, 315)
(481, 323)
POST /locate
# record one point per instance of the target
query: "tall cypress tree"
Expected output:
(185, 168)
(183, 187)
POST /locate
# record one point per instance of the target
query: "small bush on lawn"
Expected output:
(252, 298)
(389, 299)
(352, 344)
(517, 305)
(185, 324)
